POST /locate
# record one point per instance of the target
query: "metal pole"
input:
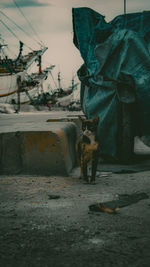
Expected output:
(124, 7)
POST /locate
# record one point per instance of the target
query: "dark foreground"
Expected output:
(45, 221)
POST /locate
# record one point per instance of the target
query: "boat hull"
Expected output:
(8, 89)
(13, 98)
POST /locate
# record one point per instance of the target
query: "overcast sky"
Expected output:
(51, 20)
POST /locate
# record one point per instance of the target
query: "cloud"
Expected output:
(23, 3)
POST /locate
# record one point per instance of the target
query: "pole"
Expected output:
(18, 93)
(124, 7)
(72, 84)
(40, 65)
(59, 85)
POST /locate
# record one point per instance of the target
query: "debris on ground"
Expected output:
(101, 208)
(122, 201)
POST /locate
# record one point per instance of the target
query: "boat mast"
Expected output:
(72, 84)
(20, 50)
(40, 64)
(59, 80)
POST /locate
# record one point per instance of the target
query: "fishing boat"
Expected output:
(18, 84)
(63, 96)
(14, 76)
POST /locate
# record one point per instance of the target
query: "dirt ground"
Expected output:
(46, 221)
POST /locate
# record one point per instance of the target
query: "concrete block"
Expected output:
(10, 153)
(45, 149)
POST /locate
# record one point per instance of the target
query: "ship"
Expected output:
(16, 84)
(63, 97)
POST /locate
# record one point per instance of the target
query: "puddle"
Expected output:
(121, 201)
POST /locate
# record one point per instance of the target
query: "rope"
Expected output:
(13, 33)
(19, 27)
(28, 23)
(53, 79)
(9, 30)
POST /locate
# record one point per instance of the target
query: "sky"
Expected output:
(50, 21)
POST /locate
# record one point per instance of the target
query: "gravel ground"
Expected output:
(46, 221)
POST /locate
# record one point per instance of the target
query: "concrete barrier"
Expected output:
(41, 149)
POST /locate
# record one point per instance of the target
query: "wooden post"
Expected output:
(18, 93)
